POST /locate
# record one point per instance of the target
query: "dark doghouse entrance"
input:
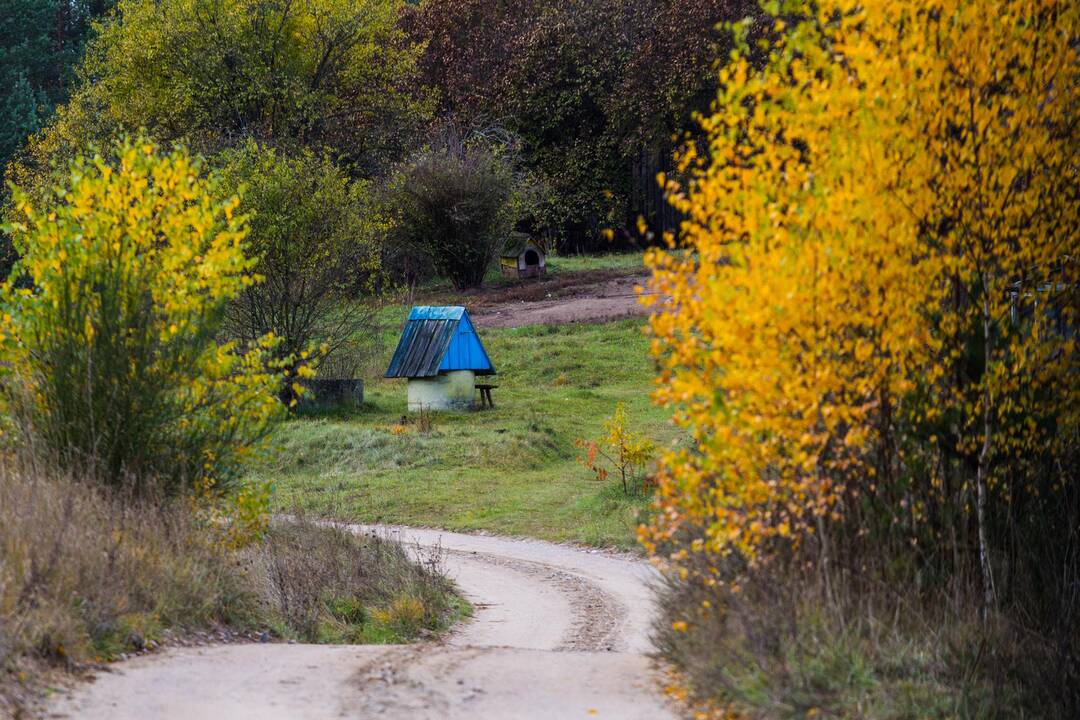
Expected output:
(532, 258)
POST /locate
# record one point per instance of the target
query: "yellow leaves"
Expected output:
(134, 254)
(808, 295)
(625, 452)
(237, 519)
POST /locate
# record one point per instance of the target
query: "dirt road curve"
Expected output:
(559, 632)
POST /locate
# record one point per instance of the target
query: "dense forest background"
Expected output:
(597, 94)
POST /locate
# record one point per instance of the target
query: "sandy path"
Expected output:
(559, 632)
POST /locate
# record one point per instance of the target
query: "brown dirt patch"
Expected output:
(592, 296)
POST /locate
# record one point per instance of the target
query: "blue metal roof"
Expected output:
(438, 339)
(436, 312)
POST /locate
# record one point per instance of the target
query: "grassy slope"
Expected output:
(511, 470)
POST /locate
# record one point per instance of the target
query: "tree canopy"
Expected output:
(592, 87)
(327, 74)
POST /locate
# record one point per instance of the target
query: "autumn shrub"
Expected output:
(872, 342)
(596, 90)
(319, 74)
(114, 362)
(456, 202)
(620, 451)
(315, 237)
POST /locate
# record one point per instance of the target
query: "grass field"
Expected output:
(512, 470)
(608, 261)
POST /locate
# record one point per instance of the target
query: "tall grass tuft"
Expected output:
(327, 585)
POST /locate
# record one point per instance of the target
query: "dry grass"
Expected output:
(86, 575)
(781, 646)
(322, 583)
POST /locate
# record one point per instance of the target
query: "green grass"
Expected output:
(511, 470)
(624, 262)
(608, 261)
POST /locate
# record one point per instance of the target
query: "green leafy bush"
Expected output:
(321, 73)
(316, 238)
(114, 365)
(456, 202)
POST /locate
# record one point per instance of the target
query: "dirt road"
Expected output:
(558, 632)
(568, 300)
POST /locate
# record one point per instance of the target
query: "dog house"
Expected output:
(522, 257)
(440, 354)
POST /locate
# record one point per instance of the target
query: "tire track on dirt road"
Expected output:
(558, 632)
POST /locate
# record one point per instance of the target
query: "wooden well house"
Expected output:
(441, 355)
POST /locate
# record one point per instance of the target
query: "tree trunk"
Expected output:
(983, 471)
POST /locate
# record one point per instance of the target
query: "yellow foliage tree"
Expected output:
(112, 321)
(880, 262)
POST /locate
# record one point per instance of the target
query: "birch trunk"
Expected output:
(983, 471)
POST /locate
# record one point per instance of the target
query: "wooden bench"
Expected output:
(485, 394)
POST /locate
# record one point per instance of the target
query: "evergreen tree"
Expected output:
(40, 42)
